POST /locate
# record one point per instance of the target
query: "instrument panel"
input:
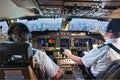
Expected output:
(74, 40)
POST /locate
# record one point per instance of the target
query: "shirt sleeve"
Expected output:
(92, 56)
(50, 67)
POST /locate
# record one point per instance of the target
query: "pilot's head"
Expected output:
(18, 32)
(114, 27)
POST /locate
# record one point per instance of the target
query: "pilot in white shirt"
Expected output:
(99, 58)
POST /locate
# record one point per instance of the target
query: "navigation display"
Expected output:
(51, 42)
(87, 41)
(78, 42)
(64, 43)
(42, 42)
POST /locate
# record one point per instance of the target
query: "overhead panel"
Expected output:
(78, 8)
(71, 8)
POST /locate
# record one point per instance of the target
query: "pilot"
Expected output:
(99, 58)
(18, 32)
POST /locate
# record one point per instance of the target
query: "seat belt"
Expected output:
(113, 47)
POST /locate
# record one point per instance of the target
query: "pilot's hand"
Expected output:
(67, 52)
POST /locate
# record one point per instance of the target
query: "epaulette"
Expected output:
(100, 46)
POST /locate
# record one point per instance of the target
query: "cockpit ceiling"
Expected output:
(71, 8)
(78, 8)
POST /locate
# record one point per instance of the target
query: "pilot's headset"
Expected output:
(18, 32)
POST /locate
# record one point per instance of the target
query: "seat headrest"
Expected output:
(10, 49)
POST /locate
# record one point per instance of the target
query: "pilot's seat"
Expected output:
(15, 62)
(112, 72)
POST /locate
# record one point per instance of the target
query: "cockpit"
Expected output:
(75, 25)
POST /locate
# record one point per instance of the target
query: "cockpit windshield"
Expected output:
(43, 24)
(92, 25)
(3, 27)
(56, 24)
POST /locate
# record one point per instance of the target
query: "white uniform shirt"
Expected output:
(50, 67)
(41, 57)
(100, 58)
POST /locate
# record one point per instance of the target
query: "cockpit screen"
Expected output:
(42, 42)
(64, 42)
(51, 42)
(87, 41)
(77, 42)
